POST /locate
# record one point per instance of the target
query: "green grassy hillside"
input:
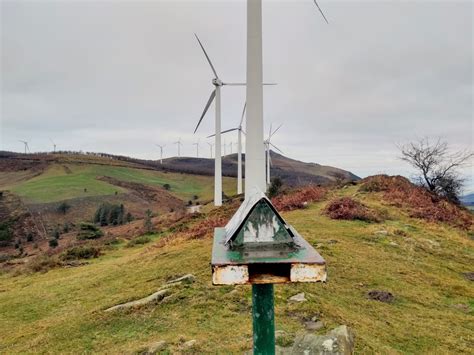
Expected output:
(67, 181)
(420, 263)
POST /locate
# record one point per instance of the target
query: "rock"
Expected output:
(382, 296)
(339, 341)
(393, 244)
(187, 279)
(189, 344)
(381, 232)
(153, 298)
(299, 297)
(314, 325)
(332, 241)
(279, 333)
(469, 276)
(432, 243)
(462, 307)
(157, 346)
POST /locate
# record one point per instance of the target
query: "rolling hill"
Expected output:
(51, 306)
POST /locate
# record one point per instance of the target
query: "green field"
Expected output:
(61, 311)
(61, 182)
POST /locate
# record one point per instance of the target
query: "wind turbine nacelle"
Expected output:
(217, 82)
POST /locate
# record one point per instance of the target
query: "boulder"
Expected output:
(189, 344)
(153, 298)
(299, 297)
(339, 341)
(187, 279)
(157, 346)
(314, 325)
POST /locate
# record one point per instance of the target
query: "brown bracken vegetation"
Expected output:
(299, 199)
(350, 209)
(420, 203)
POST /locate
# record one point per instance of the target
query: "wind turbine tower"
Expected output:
(161, 152)
(178, 142)
(26, 146)
(210, 148)
(197, 148)
(267, 143)
(54, 145)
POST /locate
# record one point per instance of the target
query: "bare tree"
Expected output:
(437, 167)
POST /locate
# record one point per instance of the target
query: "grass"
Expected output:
(61, 182)
(62, 311)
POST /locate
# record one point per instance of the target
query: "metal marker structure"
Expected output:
(257, 246)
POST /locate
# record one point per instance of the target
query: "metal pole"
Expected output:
(262, 295)
(239, 163)
(217, 153)
(263, 316)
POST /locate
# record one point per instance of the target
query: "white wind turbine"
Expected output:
(178, 142)
(267, 142)
(216, 93)
(54, 145)
(210, 147)
(239, 149)
(197, 148)
(161, 152)
(26, 145)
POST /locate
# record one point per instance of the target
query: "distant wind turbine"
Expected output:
(161, 152)
(178, 142)
(197, 148)
(267, 144)
(54, 145)
(210, 147)
(239, 149)
(26, 146)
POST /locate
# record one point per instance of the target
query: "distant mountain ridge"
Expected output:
(468, 199)
(292, 172)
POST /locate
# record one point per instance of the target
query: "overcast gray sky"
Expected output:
(120, 76)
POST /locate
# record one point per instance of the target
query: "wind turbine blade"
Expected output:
(321, 11)
(267, 84)
(275, 131)
(234, 84)
(274, 146)
(270, 159)
(209, 102)
(270, 131)
(226, 131)
(243, 115)
(207, 57)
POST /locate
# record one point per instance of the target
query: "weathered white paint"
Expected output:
(307, 273)
(230, 275)
(254, 150)
(217, 155)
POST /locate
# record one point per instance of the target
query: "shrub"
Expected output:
(274, 187)
(138, 241)
(30, 237)
(43, 263)
(56, 234)
(81, 252)
(53, 243)
(6, 234)
(89, 231)
(167, 187)
(299, 198)
(63, 207)
(349, 209)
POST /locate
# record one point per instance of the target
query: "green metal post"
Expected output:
(263, 316)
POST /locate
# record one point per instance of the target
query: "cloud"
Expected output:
(122, 76)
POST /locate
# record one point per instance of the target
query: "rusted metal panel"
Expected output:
(230, 275)
(307, 273)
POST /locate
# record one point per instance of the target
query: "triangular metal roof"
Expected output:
(238, 220)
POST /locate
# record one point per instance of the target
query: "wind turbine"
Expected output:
(210, 147)
(225, 145)
(161, 152)
(54, 145)
(239, 149)
(267, 144)
(216, 93)
(178, 142)
(26, 145)
(197, 148)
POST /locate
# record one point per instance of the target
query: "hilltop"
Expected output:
(381, 234)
